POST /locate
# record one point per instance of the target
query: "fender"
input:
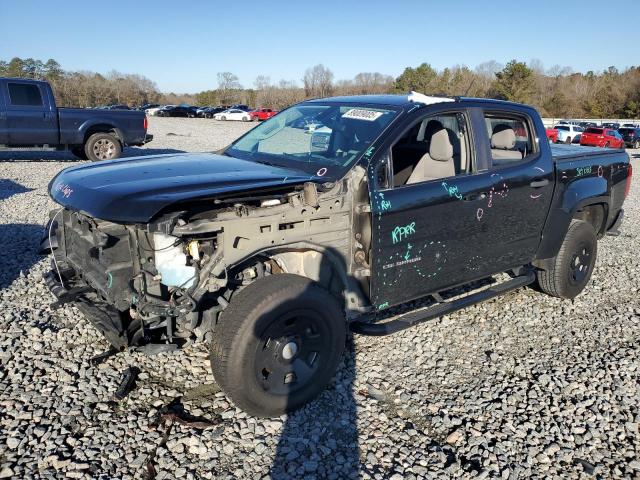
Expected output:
(570, 199)
(354, 299)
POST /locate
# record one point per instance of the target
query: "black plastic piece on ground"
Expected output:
(100, 358)
(127, 383)
(156, 348)
(418, 316)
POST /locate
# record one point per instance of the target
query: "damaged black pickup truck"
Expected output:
(320, 218)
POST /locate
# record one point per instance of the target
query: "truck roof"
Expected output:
(407, 99)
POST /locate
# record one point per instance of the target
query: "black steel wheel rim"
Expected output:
(291, 351)
(580, 264)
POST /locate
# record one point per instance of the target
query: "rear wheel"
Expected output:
(223, 118)
(636, 144)
(567, 140)
(278, 344)
(571, 269)
(102, 146)
(606, 145)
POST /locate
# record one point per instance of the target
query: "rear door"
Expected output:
(521, 189)
(31, 116)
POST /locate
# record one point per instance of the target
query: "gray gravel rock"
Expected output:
(525, 386)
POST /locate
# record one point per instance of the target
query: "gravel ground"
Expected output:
(523, 386)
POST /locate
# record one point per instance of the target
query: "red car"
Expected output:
(262, 114)
(601, 137)
(552, 135)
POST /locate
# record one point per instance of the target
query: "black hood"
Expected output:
(133, 190)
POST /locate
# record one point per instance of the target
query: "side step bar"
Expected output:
(419, 316)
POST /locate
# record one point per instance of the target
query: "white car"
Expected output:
(568, 133)
(233, 114)
(152, 112)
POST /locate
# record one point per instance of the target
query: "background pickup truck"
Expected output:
(29, 118)
(273, 248)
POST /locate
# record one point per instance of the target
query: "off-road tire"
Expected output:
(79, 153)
(90, 146)
(560, 280)
(243, 340)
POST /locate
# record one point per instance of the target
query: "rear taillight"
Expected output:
(628, 185)
(146, 122)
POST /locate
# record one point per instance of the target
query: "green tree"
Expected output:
(420, 79)
(515, 82)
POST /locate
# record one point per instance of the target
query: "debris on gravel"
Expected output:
(524, 386)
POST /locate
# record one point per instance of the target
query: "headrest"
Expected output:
(503, 137)
(428, 129)
(440, 148)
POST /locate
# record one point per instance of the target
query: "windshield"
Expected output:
(314, 137)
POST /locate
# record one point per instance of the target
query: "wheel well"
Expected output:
(593, 214)
(102, 128)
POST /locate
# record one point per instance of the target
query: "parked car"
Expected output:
(241, 106)
(586, 125)
(117, 107)
(631, 136)
(211, 111)
(177, 111)
(153, 111)
(568, 133)
(262, 114)
(147, 106)
(277, 245)
(552, 134)
(630, 125)
(602, 137)
(29, 118)
(233, 114)
(613, 125)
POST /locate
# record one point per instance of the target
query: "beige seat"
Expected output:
(438, 163)
(503, 144)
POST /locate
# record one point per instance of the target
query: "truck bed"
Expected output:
(563, 152)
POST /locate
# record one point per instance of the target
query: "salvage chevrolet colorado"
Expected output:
(29, 119)
(274, 247)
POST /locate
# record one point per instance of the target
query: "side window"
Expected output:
(25, 94)
(511, 138)
(434, 147)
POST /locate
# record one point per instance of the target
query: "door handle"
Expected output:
(539, 183)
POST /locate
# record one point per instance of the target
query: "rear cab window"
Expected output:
(24, 94)
(511, 138)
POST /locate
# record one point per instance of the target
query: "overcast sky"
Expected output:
(181, 45)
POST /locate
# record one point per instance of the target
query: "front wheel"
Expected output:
(571, 268)
(278, 344)
(223, 118)
(567, 140)
(102, 146)
(636, 144)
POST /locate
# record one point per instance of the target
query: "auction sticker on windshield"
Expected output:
(361, 114)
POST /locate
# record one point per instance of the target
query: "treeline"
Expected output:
(84, 89)
(555, 92)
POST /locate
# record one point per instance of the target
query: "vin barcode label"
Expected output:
(362, 114)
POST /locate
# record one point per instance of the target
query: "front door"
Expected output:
(30, 118)
(429, 233)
